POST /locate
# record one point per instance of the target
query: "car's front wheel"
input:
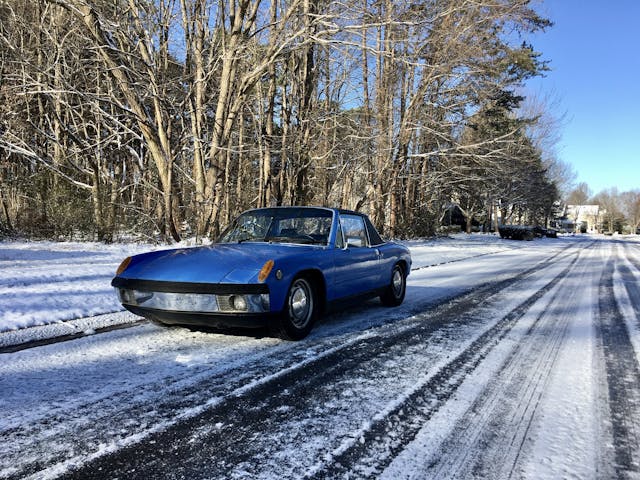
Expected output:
(299, 313)
(394, 293)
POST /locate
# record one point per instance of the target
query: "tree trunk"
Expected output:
(152, 128)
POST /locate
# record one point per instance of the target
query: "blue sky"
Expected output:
(594, 50)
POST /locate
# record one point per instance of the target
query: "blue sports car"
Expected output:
(279, 267)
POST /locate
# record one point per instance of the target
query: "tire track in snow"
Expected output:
(631, 283)
(623, 378)
(487, 441)
(494, 252)
(367, 457)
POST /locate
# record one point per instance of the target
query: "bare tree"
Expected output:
(609, 201)
(175, 114)
(630, 204)
(580, 195)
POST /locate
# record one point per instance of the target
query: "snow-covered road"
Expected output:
(507, 360)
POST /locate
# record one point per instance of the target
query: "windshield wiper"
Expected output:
(302, 240)
(242, 240)
(279, 239)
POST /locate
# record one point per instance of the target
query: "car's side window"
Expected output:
(354, 230)
(374, 236)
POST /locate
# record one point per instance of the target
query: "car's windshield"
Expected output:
(286, 225)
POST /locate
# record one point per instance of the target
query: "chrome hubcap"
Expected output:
(300, 303)
(398, 282)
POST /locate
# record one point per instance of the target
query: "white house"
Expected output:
(586, 218)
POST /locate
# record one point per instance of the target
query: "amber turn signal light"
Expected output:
(265, 270)
(123, 266)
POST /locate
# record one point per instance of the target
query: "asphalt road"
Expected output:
(536, 362)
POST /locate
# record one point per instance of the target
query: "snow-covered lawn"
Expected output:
(45, 282)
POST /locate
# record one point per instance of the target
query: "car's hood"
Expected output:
(219, 263)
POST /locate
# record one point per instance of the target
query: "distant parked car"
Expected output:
(545, 232)
(539, 231)
(273, 266)
(516, 232)
(525, 232)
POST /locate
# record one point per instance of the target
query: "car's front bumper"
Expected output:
(208, 304)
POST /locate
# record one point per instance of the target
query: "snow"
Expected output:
(566, 417)
(429, 444)
(539, 385)
(45, 282)
(627, 308)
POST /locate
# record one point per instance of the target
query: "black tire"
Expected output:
(300, 310)
(394, 293)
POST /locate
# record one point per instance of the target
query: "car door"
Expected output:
(356, 262)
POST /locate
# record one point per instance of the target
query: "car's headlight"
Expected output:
(253, 303)
(239, 303)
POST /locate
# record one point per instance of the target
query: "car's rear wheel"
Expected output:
(394, 293)
(296, 321)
